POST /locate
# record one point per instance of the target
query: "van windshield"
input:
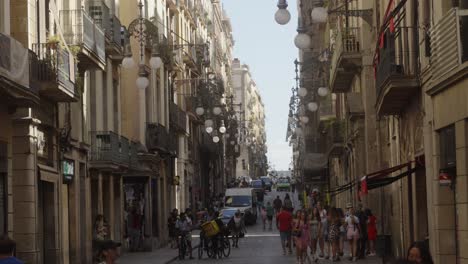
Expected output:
(238, 201)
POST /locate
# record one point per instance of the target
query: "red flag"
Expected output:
(381, 40)
(364, 189)
(392, 25)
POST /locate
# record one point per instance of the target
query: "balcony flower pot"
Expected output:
(53, 42)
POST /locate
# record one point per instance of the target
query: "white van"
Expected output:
(244, 199)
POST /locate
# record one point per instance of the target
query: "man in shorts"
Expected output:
(284, 225)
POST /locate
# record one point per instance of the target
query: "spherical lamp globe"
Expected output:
(302, 41)
(282, 16)
(302, 92)
(322, 91)
(142, 82)
(199, 111)
(215, 139)
(312, 106)
(217, 110)
(156, 62)
(222, 129)
(319, 15)
(128, 62)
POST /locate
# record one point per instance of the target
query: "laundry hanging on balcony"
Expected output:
(388, 23)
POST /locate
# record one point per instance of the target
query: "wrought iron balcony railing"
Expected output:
(100, 12)
(15, 67)
(345, 59)
(178, 118)
(81, 30)
(397, 80)
(52, 68)
(109, 149)
(158, 139)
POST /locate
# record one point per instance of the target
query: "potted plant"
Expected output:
(52, 42)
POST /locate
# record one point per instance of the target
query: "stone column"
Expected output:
(111, 207)
(25, 192)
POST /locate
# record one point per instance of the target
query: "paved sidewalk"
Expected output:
(159, 256)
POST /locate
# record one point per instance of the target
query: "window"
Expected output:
(447, 147)
(243, 165)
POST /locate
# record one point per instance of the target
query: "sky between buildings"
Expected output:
(268, 48)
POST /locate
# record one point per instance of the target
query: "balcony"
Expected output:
(15, 73)
(53, 70)
(80, 30)
(396, 81)
(178, 118)
(335, 138)
(346, 60)
(327, 109)
(100, 13)
(449, 50)
(109, 151)
(190, 57)
(159, 140)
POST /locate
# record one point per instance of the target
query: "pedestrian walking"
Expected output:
(171, 222)
(419, 253)
(108, 252)
(237, 227)
(277, 204)
(301, 235)
(264, 217)
(7, 251)
(323, 237)
(315, 229)
(134, 227)
(352, 232)
(371, 231)
(288, 203)
(362, 244)
(342, 231)
(284, 225)
(269, 214)
(334, 233)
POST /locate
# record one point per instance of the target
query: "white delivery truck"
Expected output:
(244, 199)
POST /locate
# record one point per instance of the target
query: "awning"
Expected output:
(378, 179)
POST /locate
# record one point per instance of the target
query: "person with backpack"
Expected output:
(269, 214)
(277, 204)
(288, 203)
(352, 231)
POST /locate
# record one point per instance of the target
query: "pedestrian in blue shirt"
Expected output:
(7, 251)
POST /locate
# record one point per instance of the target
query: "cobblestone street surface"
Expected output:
(257, 247)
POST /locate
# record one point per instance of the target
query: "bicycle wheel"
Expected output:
(209, 249)
(200, 249)
(226, 247)
(220, 248)
(182, 249)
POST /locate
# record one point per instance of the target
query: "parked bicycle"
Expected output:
(213, 241)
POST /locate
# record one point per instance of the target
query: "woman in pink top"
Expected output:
(303, 240)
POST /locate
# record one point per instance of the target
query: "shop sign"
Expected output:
(68, 170)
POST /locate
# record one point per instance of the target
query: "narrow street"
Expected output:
(258, 246)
